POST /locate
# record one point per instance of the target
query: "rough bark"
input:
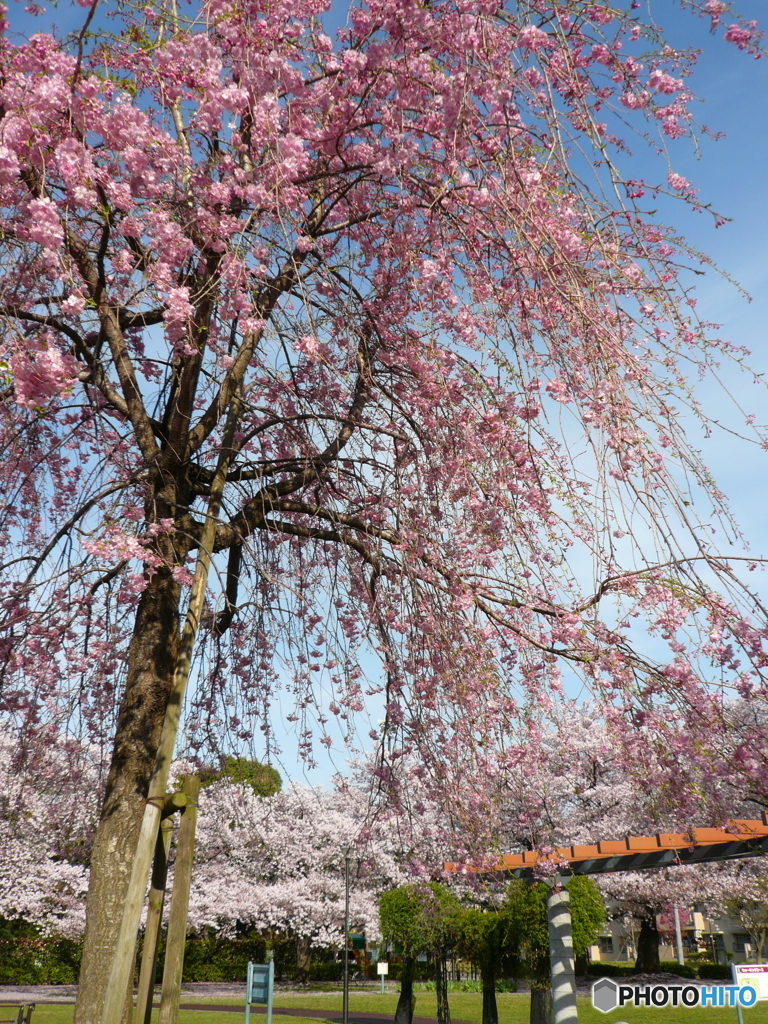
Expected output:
(648, 945)
(150, 671)
(490, 1009)
(441, 990)
(541, 1006)
(303, 958)
(407, 1001)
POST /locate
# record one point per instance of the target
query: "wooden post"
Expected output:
(177, 925)
(153, 925)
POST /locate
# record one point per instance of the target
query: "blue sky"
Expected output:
(732, 175)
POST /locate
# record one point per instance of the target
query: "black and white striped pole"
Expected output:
(561, 954)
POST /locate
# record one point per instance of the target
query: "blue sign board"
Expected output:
(259, 988)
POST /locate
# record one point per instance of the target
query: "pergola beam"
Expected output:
(739, 838)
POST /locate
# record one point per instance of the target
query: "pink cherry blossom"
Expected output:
(532, 38)
(41, 373)
(660, 81)
(43, 224)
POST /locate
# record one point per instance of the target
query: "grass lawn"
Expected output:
(513, 1009)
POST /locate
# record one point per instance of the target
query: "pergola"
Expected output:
(739, 838)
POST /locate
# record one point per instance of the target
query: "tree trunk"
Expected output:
(303, 958)
(406, 1002)
(151, 661)
(648, 945)
(490, 1009)
(541, 1005)
(581, 964)
(441, 990)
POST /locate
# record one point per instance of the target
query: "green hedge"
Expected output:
(327, 971)
(715, 972)
(29, 959)
(611, 970)
(502, 985)
(681, 970)
(694, 970)
(38, 960)
(423, 971)
(221, 960)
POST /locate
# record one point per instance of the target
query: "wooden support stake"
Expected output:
(177, 925)
(154, 923)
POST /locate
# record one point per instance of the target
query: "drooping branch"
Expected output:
(224, 619)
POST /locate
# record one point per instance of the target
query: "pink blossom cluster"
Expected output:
(41, 372)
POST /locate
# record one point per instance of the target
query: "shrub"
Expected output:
(506, 985)
(612, 970)
(33, 959)
(680, 970)
(627, 970)
(715, 972)
(329, 971)
(422, 971)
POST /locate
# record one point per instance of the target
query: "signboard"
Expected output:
(382, 967)
(755, 975)
(259, 986)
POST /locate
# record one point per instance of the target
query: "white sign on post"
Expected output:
(382, 969)
(755, 975)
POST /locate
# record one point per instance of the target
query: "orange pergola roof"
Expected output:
(739, 838)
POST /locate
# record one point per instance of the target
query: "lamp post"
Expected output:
(345, 989)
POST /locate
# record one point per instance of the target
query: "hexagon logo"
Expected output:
(605, 995)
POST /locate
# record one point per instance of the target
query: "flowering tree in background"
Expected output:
(739, 890)
(449, 372)
(645, 896)
(48, 809)
(278, 864)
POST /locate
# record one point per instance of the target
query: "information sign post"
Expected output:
(755, 975)
(259, 987)
(382, 969)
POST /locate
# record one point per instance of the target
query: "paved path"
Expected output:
(294, 1011)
